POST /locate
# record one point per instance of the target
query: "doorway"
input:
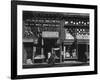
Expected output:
(82, 49)
(49, 43)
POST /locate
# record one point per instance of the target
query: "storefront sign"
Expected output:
(49, 34)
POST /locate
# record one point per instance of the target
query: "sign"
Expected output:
(50, 34)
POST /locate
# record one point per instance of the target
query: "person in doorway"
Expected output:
(48, 59)
(51, 58)
(62, 55)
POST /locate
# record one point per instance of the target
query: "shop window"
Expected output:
(38, 57)
(69, 52)
(27, 53)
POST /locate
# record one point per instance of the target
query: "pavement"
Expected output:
(62, 64)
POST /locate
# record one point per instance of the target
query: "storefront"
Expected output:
(76, 43)
(41, 33)
(45, 33)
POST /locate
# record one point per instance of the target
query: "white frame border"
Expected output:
(21, 71)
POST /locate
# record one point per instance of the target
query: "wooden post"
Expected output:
(34, 50)
(60, 54)
(24, 55)
(62, 37)
(64, 51)
(42, 49)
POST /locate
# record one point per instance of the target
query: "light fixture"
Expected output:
(82, 22)
(79, 22)
(66, 22)
(71, 22)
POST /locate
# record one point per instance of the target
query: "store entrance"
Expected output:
(49, 44)
(82, 50)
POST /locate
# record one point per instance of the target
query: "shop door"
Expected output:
(82, 48)
(49, 43)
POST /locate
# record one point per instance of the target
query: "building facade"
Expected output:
(65, 34)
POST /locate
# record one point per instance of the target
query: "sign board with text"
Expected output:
(50, 34)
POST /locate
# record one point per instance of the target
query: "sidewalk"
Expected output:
(62, 64)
